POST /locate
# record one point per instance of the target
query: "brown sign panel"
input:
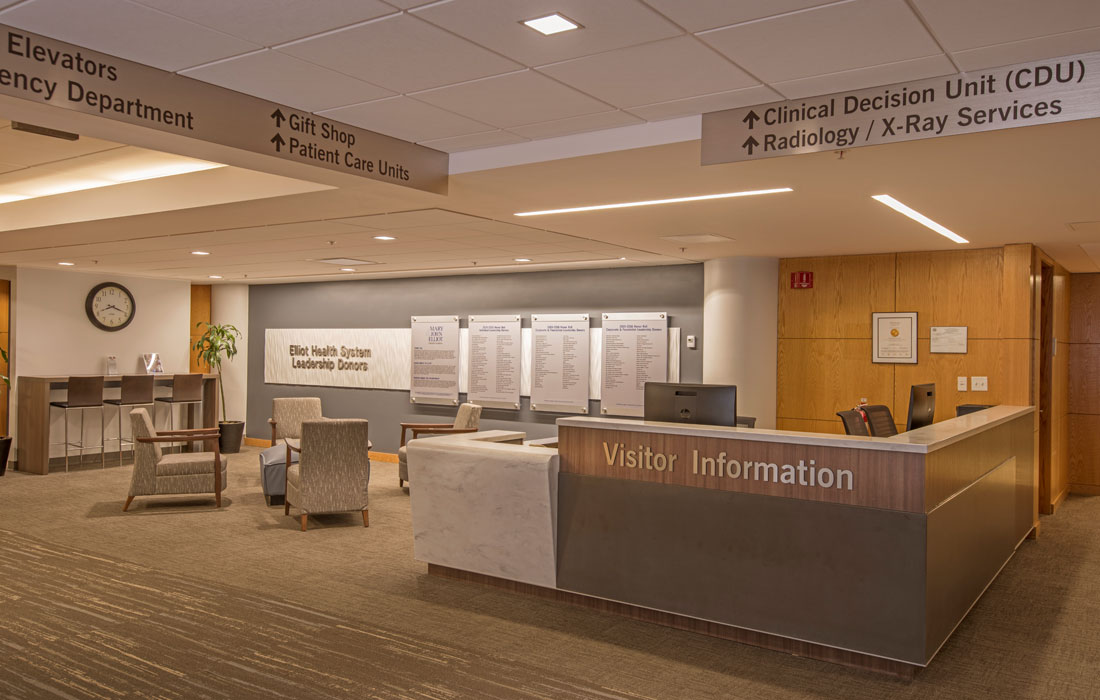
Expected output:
(877, 478)
(51, 72)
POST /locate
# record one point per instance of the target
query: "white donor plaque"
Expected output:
(434, 376)
(494, 361)
(635, 351)
(559, 363)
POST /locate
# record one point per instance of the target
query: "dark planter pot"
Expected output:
(5, 449)
(232, 432)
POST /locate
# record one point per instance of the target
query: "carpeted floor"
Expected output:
(178, 600)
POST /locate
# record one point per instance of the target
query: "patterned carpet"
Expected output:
(79, 625)
(177, 599)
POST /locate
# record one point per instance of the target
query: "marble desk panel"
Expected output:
(485, 506)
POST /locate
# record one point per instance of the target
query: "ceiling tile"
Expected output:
(485, 139)
(407, 119)
(976, 23)
(1051, 46)
(658, 72)
(824, 40)
(409, 4)
(270, 22)
(606, 25)
(127, 30)
(26, 149)
(287, 80)
(510, 100)
(707, 103)
(901, 71)
(400, 53)
(698, 15)
(573, 125)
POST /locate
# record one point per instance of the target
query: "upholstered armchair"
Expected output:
(466, 420)
(288, 414)
(156, 473)
(333, 469)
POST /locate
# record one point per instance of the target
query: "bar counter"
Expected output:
(861, 551)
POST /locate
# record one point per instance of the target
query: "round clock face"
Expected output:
(110, 306)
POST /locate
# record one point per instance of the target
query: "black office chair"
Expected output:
(853, 422)
(880, 421)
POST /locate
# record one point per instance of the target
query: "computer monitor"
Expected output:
(922, 406)
(701, 404)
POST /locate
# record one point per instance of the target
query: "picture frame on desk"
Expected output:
(894, 337)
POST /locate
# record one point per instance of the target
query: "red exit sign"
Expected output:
(802, 280)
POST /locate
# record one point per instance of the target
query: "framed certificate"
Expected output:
(894, 337)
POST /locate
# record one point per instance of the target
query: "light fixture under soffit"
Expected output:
(551, 24)
(697, 238)
(651, 202)
(345, 262)
(214, 277)
(384, 238)
(918, 217)
(97, 170)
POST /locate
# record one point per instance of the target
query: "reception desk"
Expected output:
(33, 402)
(861, 551)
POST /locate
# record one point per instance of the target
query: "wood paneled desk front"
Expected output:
(33, 401)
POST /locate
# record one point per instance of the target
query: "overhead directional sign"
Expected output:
(51, 72)
(1042, 92)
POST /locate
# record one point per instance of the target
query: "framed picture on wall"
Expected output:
(894, 337)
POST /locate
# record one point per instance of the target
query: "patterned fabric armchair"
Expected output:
(288, 414)
(333, 469)
(467, 420)
(156, 473)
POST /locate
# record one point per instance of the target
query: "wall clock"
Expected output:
(110, 306)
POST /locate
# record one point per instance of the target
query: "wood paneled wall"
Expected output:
(825, 332)
(200, 313)
(1083, 416)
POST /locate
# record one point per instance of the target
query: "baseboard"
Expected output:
(1085, 489)
(383, 457)
(256, 442)
(1057, 501)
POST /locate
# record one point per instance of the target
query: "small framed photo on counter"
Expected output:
(894, 337)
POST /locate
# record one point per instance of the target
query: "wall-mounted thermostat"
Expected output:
(691, 342)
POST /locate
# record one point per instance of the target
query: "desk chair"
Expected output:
(879, 421)
(137, 390)
(186, 391)
(84, 393)
(853, 422)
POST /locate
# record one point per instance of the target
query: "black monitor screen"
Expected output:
(702, 404)
(922, 406)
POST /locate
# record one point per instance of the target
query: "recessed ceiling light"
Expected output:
(66, 264)
(215, 277)
(622, 258)
(551, 24)
(384, 238)
(199, 252)
(650, 202)
(918, 217)
(523, 259)
(347, 269)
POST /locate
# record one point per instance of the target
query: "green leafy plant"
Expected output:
(218, 343)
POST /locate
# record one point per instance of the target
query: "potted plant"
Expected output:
(5, 442)
(219, 343)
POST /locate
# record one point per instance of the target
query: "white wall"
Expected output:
(229, 304)
(53, 336)
(740, 331)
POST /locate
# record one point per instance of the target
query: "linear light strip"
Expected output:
(650, 202)
(918, 217)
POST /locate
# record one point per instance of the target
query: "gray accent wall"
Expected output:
(675, 289)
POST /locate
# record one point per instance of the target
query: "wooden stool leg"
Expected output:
(304, 516)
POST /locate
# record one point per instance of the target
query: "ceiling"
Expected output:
(465, 75)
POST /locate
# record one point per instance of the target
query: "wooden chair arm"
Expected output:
(274, 437)
(292, 447)
(406, 426)
(189, 431)
(449, 430)
(171, 438)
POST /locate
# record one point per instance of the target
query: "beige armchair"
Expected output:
(333, 469)
(466, 420)
(288, 414)
(156, 473)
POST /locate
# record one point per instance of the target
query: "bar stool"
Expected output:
(83, 393)
(137, 390)
(186, 391)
